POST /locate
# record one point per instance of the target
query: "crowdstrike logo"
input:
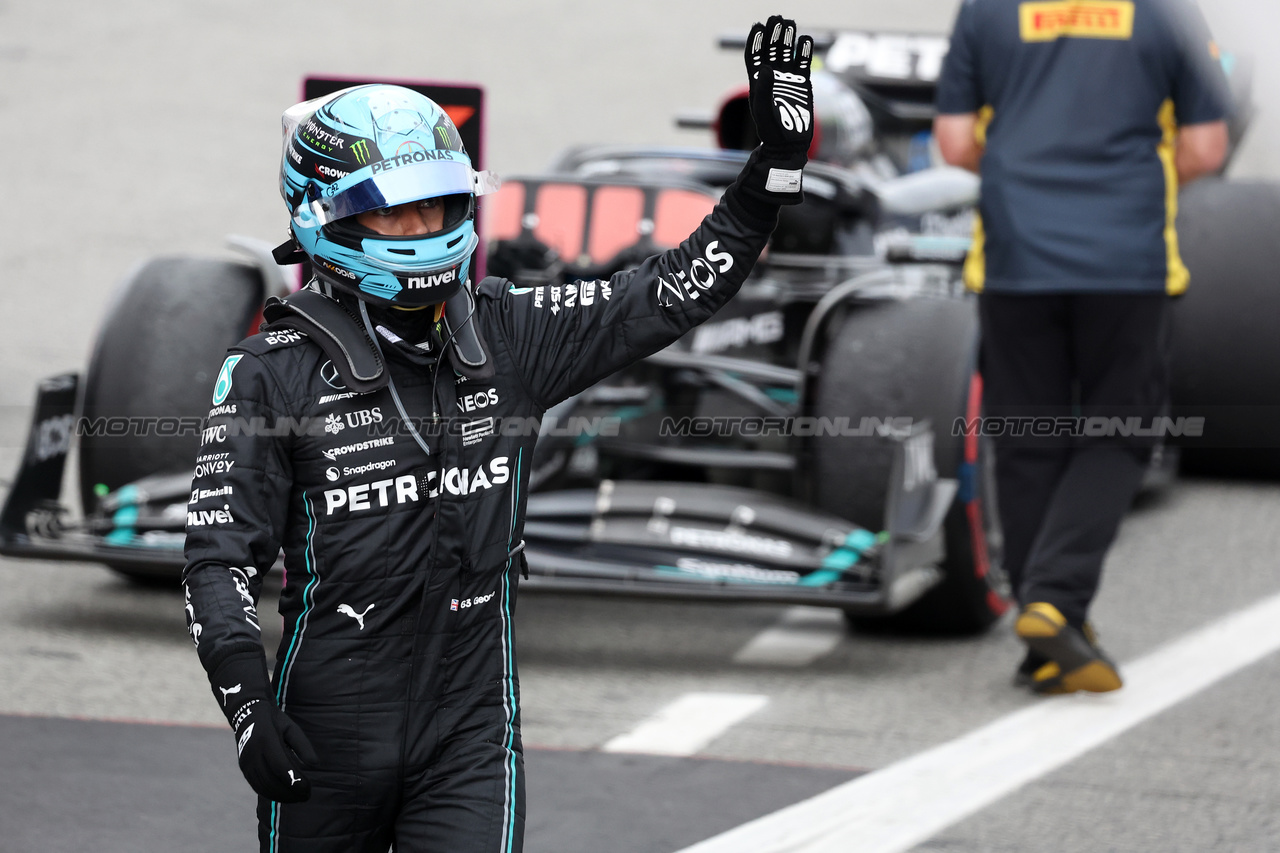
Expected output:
(329, 172)
(335, 452)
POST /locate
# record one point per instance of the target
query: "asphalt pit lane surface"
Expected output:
(114, 787)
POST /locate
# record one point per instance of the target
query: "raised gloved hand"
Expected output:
(781, 99)
(270, 747)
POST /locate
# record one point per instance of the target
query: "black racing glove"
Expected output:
(781, 99)
(272, 750)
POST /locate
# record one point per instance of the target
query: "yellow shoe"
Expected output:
(1075, 660)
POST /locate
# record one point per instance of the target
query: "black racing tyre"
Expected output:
(915, 358)
(154, 365)
(1226, 354)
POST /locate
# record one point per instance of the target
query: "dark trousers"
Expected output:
(1068, 373)
(470, 801)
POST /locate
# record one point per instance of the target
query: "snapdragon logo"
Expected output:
(380, 465)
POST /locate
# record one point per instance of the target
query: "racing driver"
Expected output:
(393, 715)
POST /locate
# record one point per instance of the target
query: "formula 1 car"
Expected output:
(800, 447)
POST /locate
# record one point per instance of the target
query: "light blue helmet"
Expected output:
(368, 148)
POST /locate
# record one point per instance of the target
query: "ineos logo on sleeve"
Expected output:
(329, 374)
(702, 274)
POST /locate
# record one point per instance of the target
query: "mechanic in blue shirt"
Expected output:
(1083, 119)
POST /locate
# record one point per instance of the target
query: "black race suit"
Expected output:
(398, 659)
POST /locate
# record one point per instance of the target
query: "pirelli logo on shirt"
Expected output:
(1105, 19)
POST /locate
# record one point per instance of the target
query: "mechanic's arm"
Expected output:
(239, 498)
(959, 127)
(569, 337)
(1202, 149)
(1200, 92)
(958, 140)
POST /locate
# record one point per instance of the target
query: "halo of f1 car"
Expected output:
(813, 443)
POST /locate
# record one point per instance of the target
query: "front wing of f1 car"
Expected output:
(658, 539)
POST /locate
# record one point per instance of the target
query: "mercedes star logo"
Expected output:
(329, 374)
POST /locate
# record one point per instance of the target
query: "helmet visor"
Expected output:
(399, 185)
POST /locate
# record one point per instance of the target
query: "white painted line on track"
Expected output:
(802, 635)
(893, 809)
(688, 724)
